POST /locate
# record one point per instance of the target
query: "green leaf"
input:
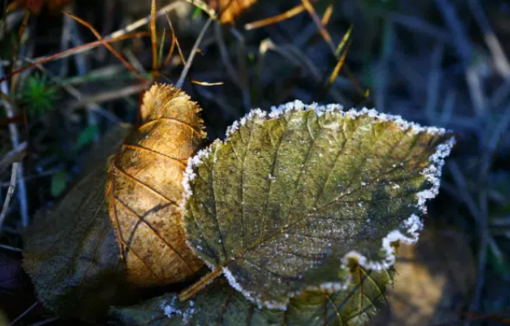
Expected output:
(87, 136)
(72, 254)
(288, 199)
(222, 305)
(196, 12)
(58, 183)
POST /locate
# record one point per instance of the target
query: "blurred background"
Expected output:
(443, 63)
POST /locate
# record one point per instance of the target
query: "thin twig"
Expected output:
(6, 247)
(108, 46)
(45, 322)
(15, 141)
(275, 19)
(109, 95)
(174, 37)
(14, 155)
(461, 39)
(10, 192)
(193, 52)
(24, 313)
(324, 32)
(73, 51)
(141, 22)
(225, 58)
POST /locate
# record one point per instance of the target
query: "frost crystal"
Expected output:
(170, 310)
(411, 226)
(433, 173)
(252, 295)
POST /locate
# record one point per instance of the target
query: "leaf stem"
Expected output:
(200, 285)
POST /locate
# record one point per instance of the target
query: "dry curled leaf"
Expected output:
(145, 188)
(290, 197)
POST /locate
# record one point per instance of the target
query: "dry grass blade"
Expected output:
(201, 83)
(154, 40)
(74, 50)
(327, 15)
(336, 71)
(110, 95)
(10, 193)
(128, 65)
(275, 19)
(323, 31)
(13, 156)
(17, 43)
(344, 41)
(176, 41)
(24, 313)
(23, 24)
(161, 48)
(170, 51)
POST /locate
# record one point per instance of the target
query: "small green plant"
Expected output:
(38, 95)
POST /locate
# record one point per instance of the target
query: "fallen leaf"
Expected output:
(120, 227)
(145, 188)
(222, 305)
(71, 254)
(289, 199)
(229, 10)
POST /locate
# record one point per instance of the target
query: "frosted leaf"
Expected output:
(220, 304)
(343, 185)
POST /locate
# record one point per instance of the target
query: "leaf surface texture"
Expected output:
(223, 306)
(287, 199)
(145, 188)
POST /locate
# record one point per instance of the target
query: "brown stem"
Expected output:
(200, 285)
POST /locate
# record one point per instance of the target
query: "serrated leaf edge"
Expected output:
(409, 230)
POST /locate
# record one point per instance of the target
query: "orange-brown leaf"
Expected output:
(229, 10)
(145, 188)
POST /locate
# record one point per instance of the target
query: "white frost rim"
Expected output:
(410, 226)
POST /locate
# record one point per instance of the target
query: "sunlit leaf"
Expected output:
(120, 227)
(145, 187)
(222, 305)
(229, 10)
(288, 199)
